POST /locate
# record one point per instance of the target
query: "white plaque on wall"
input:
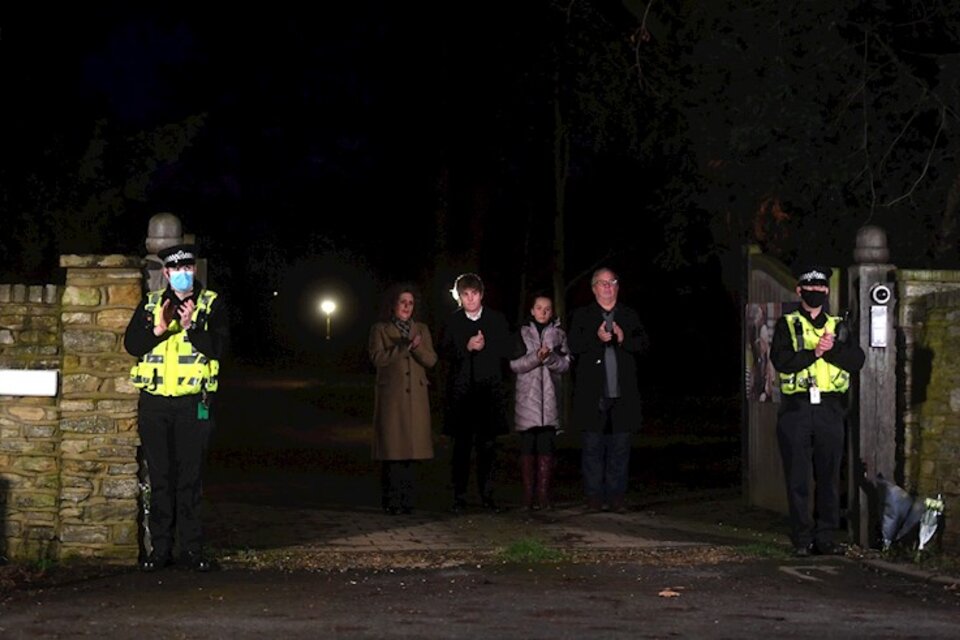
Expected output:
(25, 382)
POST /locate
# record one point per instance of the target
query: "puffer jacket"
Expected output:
(538, 384)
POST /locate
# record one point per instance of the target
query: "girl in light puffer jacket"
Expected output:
(545, 357)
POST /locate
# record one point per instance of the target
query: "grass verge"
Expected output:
(530, 550)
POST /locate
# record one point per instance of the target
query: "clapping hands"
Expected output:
(476, 343)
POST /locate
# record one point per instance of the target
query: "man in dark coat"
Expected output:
(475, 345)
(605, 338)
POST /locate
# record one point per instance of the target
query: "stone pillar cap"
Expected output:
(164, 230)
(871, 246)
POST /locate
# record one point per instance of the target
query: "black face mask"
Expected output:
(813, 299)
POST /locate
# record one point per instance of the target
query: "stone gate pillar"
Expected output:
(98, 409)
(872, 442)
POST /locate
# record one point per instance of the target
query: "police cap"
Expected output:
(814, 275)
(178, 255)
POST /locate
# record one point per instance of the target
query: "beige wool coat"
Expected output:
(401, 412)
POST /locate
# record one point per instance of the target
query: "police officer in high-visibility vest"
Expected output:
(814, 365)
(179, 335)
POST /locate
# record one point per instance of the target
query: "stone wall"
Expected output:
(29, 427)
(68, 465)
(929, 395)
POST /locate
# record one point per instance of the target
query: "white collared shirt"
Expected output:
(474, 316)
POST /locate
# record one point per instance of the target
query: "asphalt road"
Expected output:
(824, 598)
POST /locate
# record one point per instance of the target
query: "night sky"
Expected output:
(326, 149)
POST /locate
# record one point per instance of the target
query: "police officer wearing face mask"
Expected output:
(178, 335)
(814, 368)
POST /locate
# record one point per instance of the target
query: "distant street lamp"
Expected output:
(328, 306)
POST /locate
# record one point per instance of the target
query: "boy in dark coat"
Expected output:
(476, 345)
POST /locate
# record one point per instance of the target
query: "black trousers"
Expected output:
(175, 444)
(397, 484)
(811, 444)
(463, 444)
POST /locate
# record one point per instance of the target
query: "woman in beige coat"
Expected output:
(401, 349)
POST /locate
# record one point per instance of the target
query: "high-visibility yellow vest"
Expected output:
(174, 367)
(829, 378)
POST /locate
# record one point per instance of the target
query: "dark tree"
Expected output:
(811, 119)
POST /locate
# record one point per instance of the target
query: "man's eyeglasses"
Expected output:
(606, 283)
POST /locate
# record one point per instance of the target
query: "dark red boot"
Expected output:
(528, 472)
(544, 479)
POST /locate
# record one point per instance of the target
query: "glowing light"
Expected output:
(327, 307)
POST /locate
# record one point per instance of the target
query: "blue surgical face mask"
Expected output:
(181, 281)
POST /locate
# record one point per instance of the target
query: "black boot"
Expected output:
(407, 486)
(389, 498)
(156, 561)
(198, 561)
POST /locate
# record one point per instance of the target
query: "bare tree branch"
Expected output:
(906, 126)
(906, 69)
(926, 164)
(857, 91)
(641, 35)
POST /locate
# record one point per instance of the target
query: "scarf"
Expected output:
(403, 326)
